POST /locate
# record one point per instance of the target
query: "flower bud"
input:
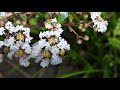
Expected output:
(79, 41)
(24, 23)
(85, 16)
(86, 25)
(86, 38)
(18, 21)
(80, 26)
(83, 29)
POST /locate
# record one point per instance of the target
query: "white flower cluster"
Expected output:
(16, 42)
(65, 14)
(50, 48)
(99, 23)
(52, 24)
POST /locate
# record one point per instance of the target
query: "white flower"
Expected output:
(41, 35)
(2, 14)
(1, 58)
(52, 24)
(26, 47)
(48, 26)
(44, 63)
(9, 42)
(38, 59)
(2, 30)
(54, 50)
(54, 20)
(20, 33)
(10, 54)
(24, 62)
(55, 60)
(1, 43)
(99, 24)
(8, 25)
(63, 44)
(58, 26)
(94, 15)
(65, 14)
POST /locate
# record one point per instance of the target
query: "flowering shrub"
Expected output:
(47, 45)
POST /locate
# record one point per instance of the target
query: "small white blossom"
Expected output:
(1, 43)
(55, 60)
(99, 24)
(2, 14)
(26, 47)
(2, 30)
(24, 62)
(65, 14)
(48, 26)
(1, 58)
(9, 42)
(10, 54)
(44, 63)
(9, 25)
(94, 15)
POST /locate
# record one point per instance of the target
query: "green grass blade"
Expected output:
(78, 73)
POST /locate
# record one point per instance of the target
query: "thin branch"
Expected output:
(18, 70)
(41, 72)
(71, 30)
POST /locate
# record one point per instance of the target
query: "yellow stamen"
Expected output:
(52, 40)
(20, 36)
(99, 18)
(62, 52)
(20, 52)
(6, 50)
(46, 54)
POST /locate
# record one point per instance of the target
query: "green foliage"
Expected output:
(33, 21)
(70, 16)
(60, 18)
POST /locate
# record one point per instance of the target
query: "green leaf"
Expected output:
(46, 15)
(115, 42)
(42, 28)
(41, 14)
(78, 73)
(33, 21)
(70, 17)
(34, 31)
(24, 18)
(60, 18)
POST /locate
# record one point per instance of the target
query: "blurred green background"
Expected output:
(97, 58)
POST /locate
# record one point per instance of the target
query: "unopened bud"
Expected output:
(85, 16)
(18, 21)
(86, 25)
(83, 29)
(80, 26)
(86, 38)
(79, 41)
(24, 23)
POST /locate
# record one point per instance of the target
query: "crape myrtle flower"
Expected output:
(99, 23)
(50, 48)
(52, 24)
(16, 42)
